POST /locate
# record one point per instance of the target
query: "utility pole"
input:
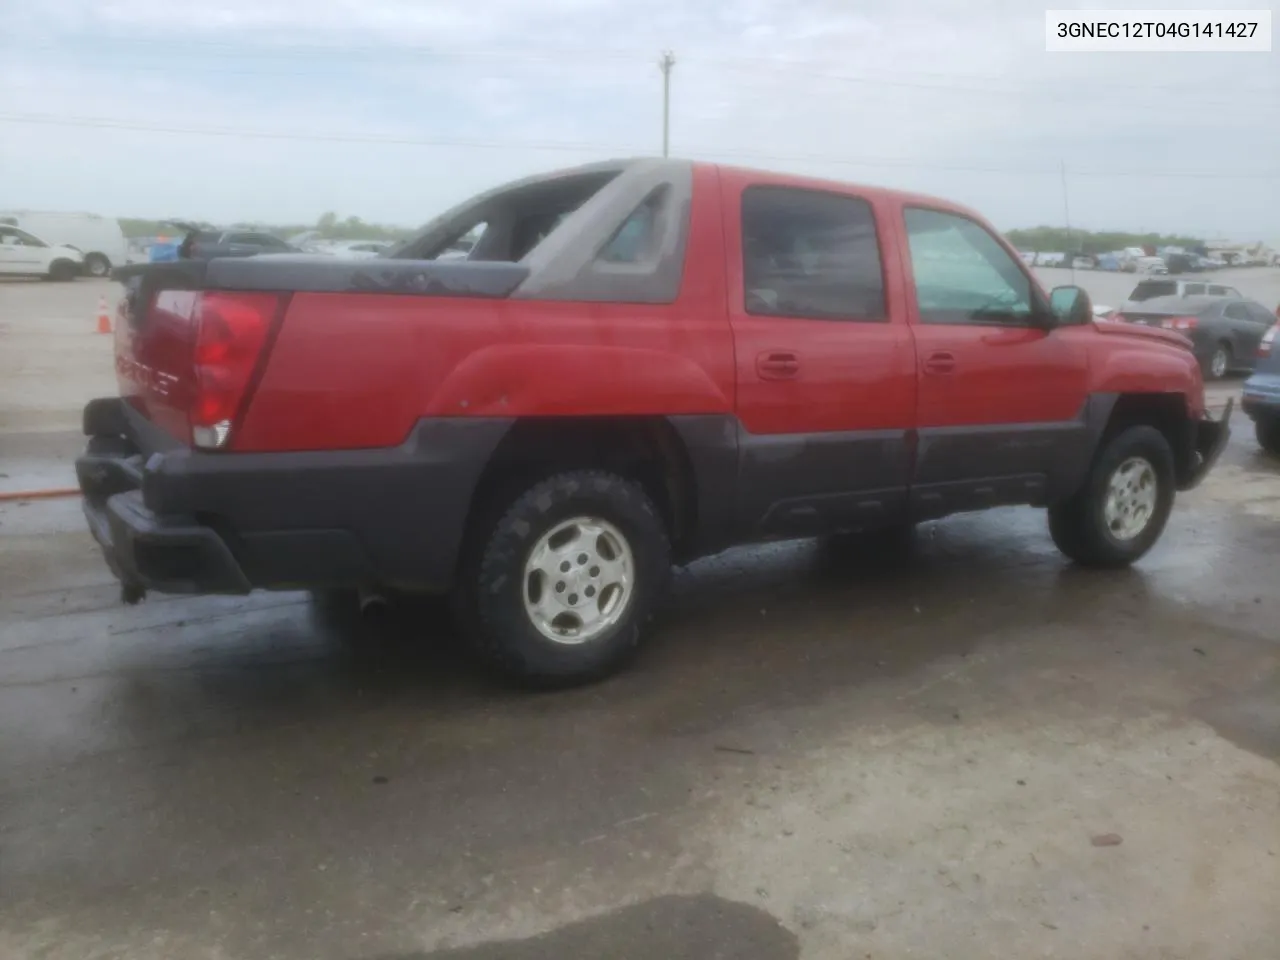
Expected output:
(1066, 214)
(666, 63)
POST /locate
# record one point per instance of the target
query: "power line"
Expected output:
(597, 148)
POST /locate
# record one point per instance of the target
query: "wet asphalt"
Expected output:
(251, 777)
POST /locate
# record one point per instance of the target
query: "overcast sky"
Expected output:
(394, 109)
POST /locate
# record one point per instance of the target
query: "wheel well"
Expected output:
(1167, 412)
(645, 449)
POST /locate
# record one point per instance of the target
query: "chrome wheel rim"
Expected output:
(1131, 498)
(1218, 366)
(578, 580)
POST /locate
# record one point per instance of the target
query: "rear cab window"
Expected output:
(963, 274)
(810, 254)
(1260, 314)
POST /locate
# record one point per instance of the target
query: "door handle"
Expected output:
(777, 365)
(941, 362)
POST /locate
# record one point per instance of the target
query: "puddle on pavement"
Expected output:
(703, 927)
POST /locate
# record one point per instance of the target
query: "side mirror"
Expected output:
(1070, 305)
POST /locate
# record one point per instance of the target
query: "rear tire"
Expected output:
(1124, 504)
(96, 265)
(1267, 430)
(560, 587)
(1218, 365)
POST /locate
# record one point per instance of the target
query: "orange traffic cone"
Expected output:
(104, 319)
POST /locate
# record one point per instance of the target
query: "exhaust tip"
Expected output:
(372, 603)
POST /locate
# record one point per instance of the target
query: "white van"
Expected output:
(25, 255)
(99, 239)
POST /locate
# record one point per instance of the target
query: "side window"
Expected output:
(1219, 291)
(634, 241)
(1150, 289)
(810, 254)
(1236, 311)
(962, 273)
(1193, 290)
(270, 242)
(19, 238)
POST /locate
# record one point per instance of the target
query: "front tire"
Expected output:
(96, 265)
(564, 582)
(61, 271)
(1267, 430)
(1120, 512)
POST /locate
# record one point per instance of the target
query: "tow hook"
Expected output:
(132, 593)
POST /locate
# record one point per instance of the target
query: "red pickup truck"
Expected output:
(636, 364)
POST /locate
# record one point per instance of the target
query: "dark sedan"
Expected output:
(1225, 331)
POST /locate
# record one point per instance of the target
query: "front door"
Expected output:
(1002, 401)
(825, 367)
(17, 255)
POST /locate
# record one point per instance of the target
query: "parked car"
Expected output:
(1154, 265)
(205, 243)
(1150, 289)
(698, 356)
(1224, 331)
(1260, 399)
(24, 254)
(99, 240)
(356, 249)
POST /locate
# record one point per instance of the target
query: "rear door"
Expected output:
(1002, 397)
(825, 366)
(1244, 330)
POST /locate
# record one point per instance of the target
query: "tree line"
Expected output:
(328, 227)
(1062, 240)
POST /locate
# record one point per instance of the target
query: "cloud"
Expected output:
(953, 98)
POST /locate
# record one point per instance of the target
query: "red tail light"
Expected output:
(231, 332)
(1268, 341)
(1182, 324)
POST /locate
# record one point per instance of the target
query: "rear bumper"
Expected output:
(1261, 396)
(1208, 441)
(180, 521)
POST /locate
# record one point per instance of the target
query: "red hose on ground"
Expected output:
(53, 494)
